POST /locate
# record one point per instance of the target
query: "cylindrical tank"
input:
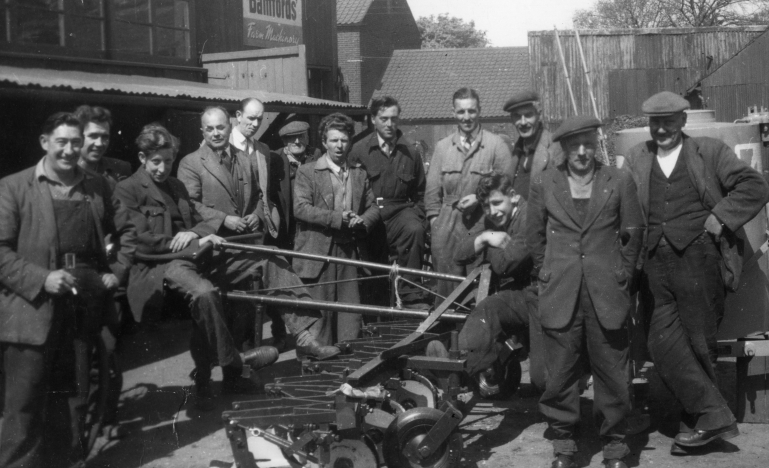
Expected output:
(747, 310)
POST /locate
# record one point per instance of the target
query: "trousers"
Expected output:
(684, 291)
(607, 352)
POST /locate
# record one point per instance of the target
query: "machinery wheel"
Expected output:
(501, 381)
(351, 453)
(408, 430)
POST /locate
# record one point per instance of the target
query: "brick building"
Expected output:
(368, 31)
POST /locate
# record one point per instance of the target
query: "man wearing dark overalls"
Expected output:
(56, 281)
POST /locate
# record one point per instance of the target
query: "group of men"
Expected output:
(568, 238)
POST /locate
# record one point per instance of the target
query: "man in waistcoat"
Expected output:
(695, 194)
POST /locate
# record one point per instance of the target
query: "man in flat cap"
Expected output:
(397, 177)
(534, 150)
(285, 161)
(695, 194)
(584, 228)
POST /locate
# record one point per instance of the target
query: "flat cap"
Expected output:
(293, 127)
(576, 125)
(520, 99)
(664, 103)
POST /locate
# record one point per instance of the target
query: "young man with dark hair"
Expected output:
(397, 177)
(97, 124)
(55, 278)
(503, 318)
(334, 208)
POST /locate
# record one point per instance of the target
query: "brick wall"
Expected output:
(349, 52)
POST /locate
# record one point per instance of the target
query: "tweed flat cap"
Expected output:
(520, 99)
(664, 103)
(575, 125)
(293, 127)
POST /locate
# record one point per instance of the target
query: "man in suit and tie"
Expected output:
(221, 183)
(242, 137)
(584, 230)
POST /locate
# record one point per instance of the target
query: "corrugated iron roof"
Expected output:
(152, 87)
(424, 80)
(351, 11)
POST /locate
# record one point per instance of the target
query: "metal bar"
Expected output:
(749, 348)
(341, 307)
(566, 71)
(589, 83)
(342, 261)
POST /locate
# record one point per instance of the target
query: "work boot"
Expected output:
(563, 461)
(260, 357)
(316, 351)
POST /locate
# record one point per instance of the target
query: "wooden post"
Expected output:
(592, 96)
(566, 71)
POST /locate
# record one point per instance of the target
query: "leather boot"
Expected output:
(317, 351)
(260, 357)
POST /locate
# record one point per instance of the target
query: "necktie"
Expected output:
(468, 142)
(226, 161)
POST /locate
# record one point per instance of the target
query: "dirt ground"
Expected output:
(161, 429)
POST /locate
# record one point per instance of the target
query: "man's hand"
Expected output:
(59, 282)
(714, 226)
(235, 223)
(252, 222)
(212, 238)
(110, 281)
(181, 240)
(498, 239)
(355, 221)
(467, 202)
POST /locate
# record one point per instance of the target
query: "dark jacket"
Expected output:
(211, 194)
(565, 250)
(409, 173)
(315, 215)
(282, 178)
(29, 251)
(114, 170)
(546, 154)
(142, 204)
(511, 264)
(728, 187)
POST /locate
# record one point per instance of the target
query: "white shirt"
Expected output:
(382, 144)
(668, 158)
(334, 167)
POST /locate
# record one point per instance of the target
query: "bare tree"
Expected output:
(672, 13)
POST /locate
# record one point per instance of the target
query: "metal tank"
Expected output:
(747, 310)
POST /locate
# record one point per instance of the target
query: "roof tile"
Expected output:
(424, 80)
(351, 11)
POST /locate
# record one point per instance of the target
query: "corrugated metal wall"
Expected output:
(627, 66)
(740, 82)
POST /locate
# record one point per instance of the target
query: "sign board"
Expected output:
(272, 23)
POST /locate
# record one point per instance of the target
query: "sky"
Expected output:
(506, 22)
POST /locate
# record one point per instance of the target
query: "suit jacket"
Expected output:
(727, 186)
(114, 170)
(315, 215)
(210, 191)
(145, 215)
(566, 250)
(29, 251)
(547, 153)
(261, 160)
(282, 188)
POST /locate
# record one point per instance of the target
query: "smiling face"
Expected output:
(580, 151)
(216, 129)
(158, 163)
(95, 141)
(526, 120)
(386, 122)
(498, 208)
(296, 144)
(337, 144)
(467, 112)
(62, 148)
(667, 130)
(250, 118)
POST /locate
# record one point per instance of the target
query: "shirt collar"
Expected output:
(291, 158)
(473, 134)
(40, 173)
(333, 166)
(382, 141)
(237, 139)
(671, 152)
